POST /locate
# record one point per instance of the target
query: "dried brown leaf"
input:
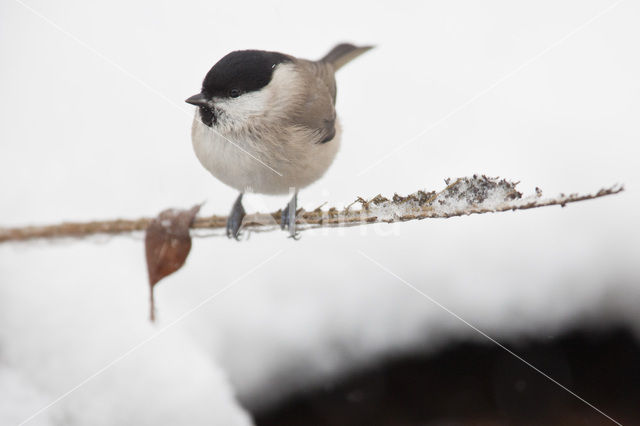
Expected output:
(167, 245)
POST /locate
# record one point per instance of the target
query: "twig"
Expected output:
(465, 196)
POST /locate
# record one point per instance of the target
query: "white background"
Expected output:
(94, 126)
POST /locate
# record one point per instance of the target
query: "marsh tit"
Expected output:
(266, 122)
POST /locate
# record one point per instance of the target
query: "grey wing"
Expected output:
(318, 112)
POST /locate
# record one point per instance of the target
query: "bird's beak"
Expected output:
(198, 100)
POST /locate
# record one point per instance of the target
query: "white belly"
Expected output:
(268, 165)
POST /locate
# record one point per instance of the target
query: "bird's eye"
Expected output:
(234, 93)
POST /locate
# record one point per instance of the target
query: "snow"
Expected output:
(60, 334)
(465, 194)
(19, 396)
(101, 145)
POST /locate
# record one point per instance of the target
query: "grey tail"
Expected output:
(343, 53)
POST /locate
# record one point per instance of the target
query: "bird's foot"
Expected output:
(288, 218)
(234, 221)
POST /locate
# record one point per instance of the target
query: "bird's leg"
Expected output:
(288, 217)
(234, 221)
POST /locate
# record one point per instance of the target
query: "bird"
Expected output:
(266, 122)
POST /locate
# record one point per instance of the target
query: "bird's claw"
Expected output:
(288, 218)
(234, 221)
(295, 236)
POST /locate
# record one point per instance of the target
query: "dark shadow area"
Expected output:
(481, 384)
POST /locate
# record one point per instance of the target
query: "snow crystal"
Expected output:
(463, 195)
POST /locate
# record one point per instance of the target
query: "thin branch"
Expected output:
(465, 196)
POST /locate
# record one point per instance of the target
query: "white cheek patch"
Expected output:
(242, 108)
